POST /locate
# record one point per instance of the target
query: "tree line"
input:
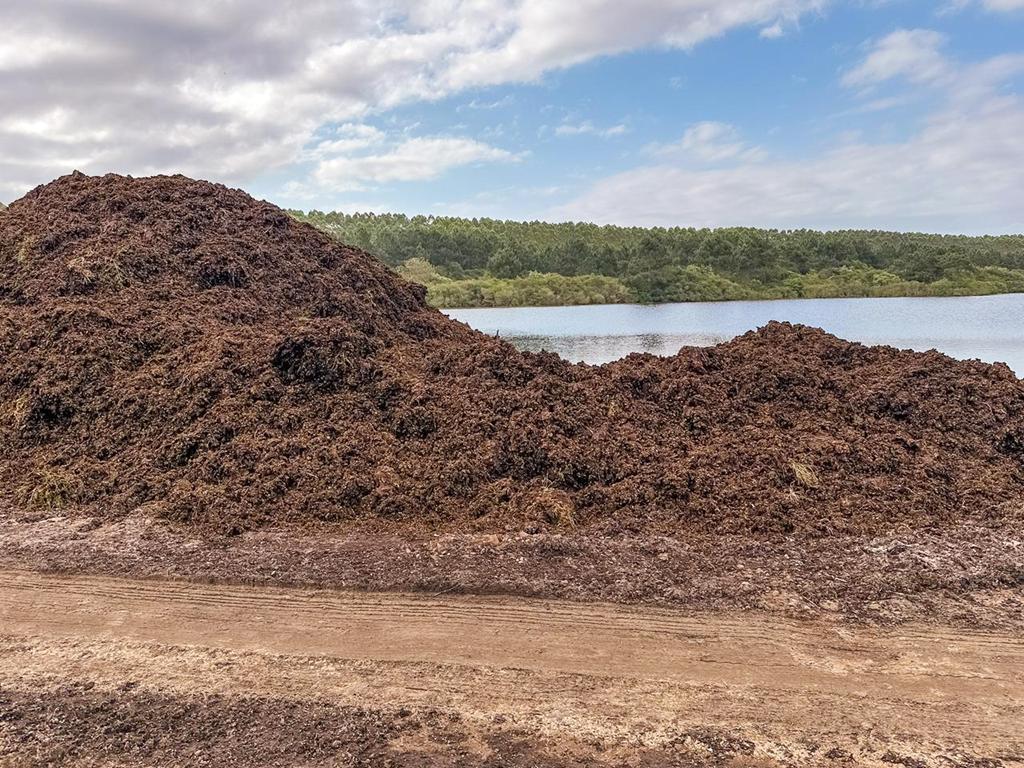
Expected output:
(486, 262)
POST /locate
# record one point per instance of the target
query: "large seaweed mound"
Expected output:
(178, 347)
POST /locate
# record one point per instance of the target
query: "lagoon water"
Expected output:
(989, 328)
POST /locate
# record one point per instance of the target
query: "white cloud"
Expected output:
(535, 36)
(362, 206)
(232, 89)
(587, 127)
(958, 172)
(347, 138)
(412, 160)
(772, 32)
(910, 53)
(504, 101)
(998, 6)
(710, 142)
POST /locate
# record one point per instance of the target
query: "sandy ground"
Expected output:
(96, 670)
(969, 576)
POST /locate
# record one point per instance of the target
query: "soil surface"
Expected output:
(968, 576)
(137, 673)
(176, 347)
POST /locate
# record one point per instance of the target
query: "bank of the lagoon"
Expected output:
(990, 328)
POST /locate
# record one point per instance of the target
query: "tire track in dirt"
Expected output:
(612, 673)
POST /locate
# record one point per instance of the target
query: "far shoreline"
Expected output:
(726, 301)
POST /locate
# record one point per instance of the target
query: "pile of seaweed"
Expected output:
(177, 347)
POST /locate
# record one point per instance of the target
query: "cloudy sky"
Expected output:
(891, 114)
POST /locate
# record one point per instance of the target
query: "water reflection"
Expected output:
(604, 349)
(990, 328)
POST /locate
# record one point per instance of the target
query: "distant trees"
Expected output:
(532, 290)
(511, 259)
(485, 262)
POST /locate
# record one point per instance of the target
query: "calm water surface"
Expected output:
(989, 328)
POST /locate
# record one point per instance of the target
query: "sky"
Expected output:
(877, 114)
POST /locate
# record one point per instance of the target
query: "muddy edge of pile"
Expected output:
(175, 349)
(965, 576)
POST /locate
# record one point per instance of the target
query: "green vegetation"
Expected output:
(531, 290)
(49, 490)
(485, 263)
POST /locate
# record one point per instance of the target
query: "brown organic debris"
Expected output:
(175, 346)
(804, 475)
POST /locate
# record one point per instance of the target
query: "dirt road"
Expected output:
(498, 681)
